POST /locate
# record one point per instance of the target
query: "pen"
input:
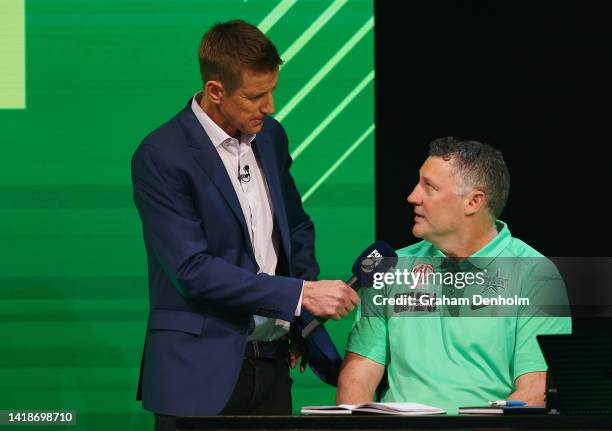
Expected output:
(507, 403)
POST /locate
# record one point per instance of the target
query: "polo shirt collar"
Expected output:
(483, 257)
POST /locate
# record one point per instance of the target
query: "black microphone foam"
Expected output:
(378, 257)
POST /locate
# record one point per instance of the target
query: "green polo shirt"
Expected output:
(450, 356)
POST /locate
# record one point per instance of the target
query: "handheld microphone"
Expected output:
(246, 177)
(378, 257)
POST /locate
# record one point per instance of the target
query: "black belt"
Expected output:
(277, 349)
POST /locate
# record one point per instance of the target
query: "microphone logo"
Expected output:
(371, 261)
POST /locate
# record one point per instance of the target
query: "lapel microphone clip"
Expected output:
(246, 177)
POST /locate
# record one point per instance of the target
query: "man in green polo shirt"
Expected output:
(450, 344)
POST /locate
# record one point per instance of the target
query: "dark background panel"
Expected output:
(533, 80)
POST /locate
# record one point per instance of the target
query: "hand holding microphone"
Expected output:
(378, 257)
(329, 299)
(334, 299)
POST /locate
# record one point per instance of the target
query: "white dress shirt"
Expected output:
(254, 197)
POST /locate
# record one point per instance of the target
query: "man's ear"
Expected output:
(476, 200)
(214, 91)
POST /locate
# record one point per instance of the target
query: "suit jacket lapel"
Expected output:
(263, 149)
(209, 160)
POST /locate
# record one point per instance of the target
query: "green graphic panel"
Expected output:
(12, 53)
(101, 74)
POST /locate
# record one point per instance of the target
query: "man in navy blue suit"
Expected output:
(230, 249)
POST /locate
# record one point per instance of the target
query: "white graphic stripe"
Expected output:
(275, 14)
(338, 162)
(348, 99)
(310, 85)
(311, 31)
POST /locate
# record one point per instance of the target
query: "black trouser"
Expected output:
(263, 388)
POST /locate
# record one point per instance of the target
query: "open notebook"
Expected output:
(376, 408)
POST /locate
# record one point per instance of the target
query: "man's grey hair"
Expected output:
(478, 167)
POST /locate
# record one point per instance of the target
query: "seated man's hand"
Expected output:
(329, 299)
(530, 388)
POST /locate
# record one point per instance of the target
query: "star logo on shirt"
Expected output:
(495, 283)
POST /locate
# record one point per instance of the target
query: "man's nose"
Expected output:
(268, 105)
(413, 196)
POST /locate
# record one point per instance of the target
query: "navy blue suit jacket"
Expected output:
(203, 281)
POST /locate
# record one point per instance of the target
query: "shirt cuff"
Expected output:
(298, 309)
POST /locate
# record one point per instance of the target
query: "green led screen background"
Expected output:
(99, 76)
